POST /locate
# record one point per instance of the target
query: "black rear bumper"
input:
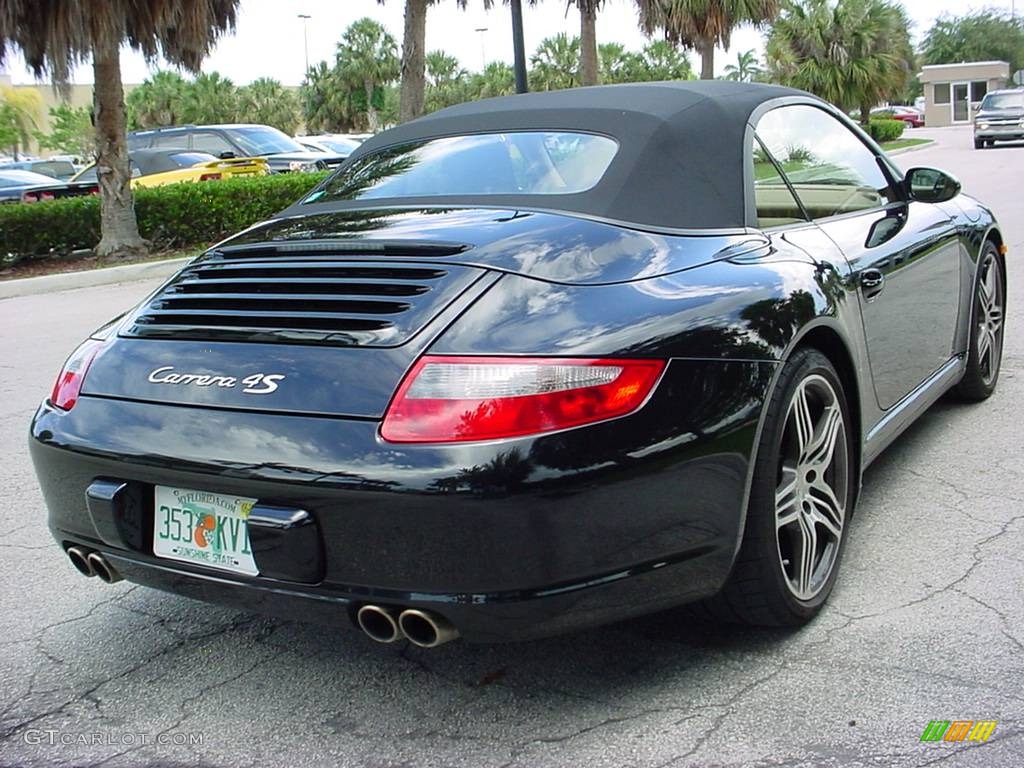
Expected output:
(507, 540)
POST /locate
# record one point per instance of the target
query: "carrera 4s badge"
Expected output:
(254, 384)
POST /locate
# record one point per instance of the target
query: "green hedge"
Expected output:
(176, 215)
(883, 129)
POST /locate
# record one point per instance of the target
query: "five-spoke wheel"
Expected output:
(810, 499)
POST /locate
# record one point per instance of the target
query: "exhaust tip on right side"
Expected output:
(102, 568)
(425, 629)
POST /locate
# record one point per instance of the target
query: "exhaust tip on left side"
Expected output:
(79, 557)
(102, 568)
(379, 623)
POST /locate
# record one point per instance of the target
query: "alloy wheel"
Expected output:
(812, 487)
(989, 331)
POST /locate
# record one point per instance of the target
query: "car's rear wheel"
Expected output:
(801, 499)
(985, 349)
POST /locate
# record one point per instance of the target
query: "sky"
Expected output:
(269, 38)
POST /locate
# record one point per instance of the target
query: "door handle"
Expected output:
(872, 282)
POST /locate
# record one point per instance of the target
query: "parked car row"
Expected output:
(21, 186)
(181, 153)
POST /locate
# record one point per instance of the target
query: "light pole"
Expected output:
(518, 46)
(483, 51)
(305, 35)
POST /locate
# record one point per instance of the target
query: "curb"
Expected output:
(66, 281)
(915, 148)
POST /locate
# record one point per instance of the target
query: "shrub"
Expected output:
(176, 215)
(883, 130)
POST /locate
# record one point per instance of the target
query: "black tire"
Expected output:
(983, 362)
(979, 144)
(759, 590)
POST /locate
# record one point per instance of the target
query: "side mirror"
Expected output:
(227, 155)
(929, 185)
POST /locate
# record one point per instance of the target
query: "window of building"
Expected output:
(942, 93)
(978, 90)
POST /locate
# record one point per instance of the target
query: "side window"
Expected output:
(206, 141)
(776, 206)
(170, 140)
(832, 171)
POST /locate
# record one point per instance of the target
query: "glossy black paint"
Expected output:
(531, 536)
(551, 519)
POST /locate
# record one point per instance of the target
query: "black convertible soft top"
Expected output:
(680, 163)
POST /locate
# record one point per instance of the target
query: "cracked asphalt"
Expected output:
(927, 622)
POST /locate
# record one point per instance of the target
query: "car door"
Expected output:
(904, 256)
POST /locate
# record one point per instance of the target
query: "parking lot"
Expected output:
(926, 623)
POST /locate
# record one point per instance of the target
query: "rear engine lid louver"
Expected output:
(338, 294)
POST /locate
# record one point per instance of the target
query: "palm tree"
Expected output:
(325, 100)
(664, 61)
(703, 24)
(159, 100)
(446, 81)
(368, 57)
(266, 101)
(746, 69)
(497, 79)
(210, 98)
(589, 63)
(22, 109)
(555, 64)
(182, 31)
(853, 53)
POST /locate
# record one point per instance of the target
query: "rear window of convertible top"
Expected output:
(515, 163)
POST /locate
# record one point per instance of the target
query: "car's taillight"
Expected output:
(29, 197)
(69, 382)
(458, 399)
(210, 177)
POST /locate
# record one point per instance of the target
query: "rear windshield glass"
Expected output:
(1004, 101)
(520, 163)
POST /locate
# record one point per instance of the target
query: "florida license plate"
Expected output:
(204, 528)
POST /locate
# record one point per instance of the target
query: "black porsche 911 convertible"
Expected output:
(533, 364)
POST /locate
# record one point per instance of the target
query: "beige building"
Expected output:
(77, 96)
(953, 91)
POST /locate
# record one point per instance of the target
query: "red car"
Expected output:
(911, 116)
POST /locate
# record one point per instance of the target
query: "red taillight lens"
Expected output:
(458, 399)
(210, 177)
(29, 197)
(69, 382)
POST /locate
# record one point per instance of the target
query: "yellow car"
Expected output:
(156, 167)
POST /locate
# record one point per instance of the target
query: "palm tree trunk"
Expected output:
(865, 115)
(373, 122)
(119, 229)
(588, 44)
(706, 48)
(414, 42)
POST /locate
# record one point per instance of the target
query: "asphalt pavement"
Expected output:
(926, 623)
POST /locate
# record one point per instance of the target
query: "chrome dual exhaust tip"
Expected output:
(386, 624)
(79, 557)
(426, 629)
(379, 623)
(102, 568)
